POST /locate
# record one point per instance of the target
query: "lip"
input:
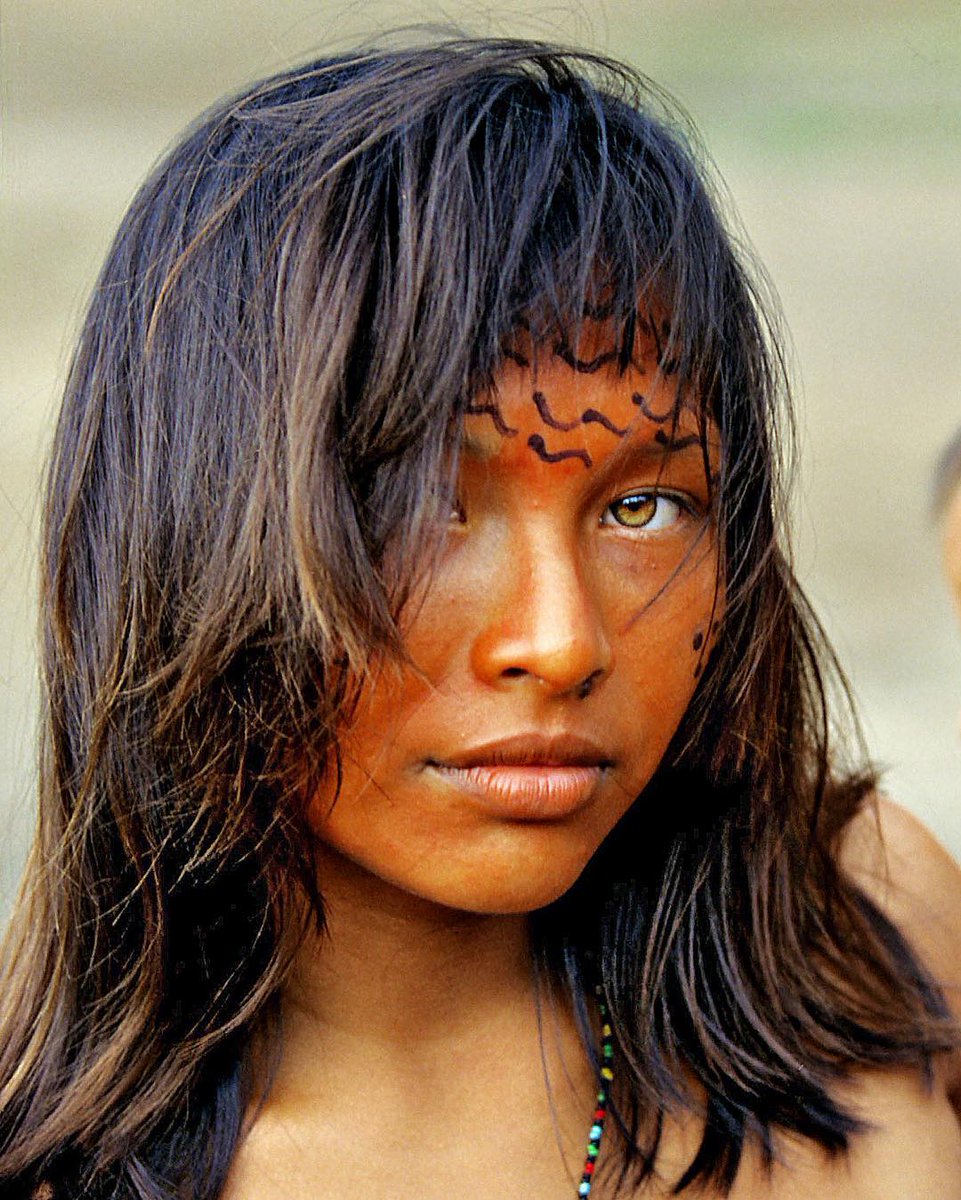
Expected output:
(527, 777)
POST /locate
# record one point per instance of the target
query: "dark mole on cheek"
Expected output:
(698, 640)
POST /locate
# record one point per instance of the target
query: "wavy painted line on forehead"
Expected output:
(586, 366)
(548, 417)
(515, 356)
(536, 443)
(642, 404)
(492, 411)
(590, 416)
(692, 439)
(589, 366)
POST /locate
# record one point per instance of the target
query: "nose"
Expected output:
(544, 626)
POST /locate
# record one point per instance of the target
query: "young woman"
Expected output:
(438, 794)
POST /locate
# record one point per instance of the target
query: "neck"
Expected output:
(402, 1016)
(403, 972)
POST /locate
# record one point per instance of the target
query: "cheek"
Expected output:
(437, 633)
(387, 703)
(665, 645)
(675, 606)
(660, 671)
(704, 641)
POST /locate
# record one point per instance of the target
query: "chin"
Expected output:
(519, 893)
(500, 880)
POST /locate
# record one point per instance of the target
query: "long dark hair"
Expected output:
(297, 308)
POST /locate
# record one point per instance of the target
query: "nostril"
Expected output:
(513, 672)
(584, 689)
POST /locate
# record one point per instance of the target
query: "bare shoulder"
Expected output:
(911, 1148)
(914, 880)
(902, 866)
(910, 1145)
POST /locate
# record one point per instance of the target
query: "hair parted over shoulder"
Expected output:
(261, 420)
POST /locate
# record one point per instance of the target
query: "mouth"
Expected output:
(528, 777)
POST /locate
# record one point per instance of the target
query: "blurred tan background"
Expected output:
(837, 127)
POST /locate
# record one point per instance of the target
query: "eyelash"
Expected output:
(680, 504)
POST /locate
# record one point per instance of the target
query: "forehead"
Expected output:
(580, 405)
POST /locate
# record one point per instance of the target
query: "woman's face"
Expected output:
(555, 647)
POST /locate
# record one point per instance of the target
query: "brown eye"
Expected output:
(642, 510)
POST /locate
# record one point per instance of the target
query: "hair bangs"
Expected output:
(533, 198)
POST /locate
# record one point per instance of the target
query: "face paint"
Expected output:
(586, 366)
(692, 439)
(536, 443)
(658, 417)
(492, 411)
(549, 649)
(540, 403)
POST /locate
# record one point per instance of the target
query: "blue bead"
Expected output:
(584, 1189)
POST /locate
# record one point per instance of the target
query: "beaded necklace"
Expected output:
(600, 1111)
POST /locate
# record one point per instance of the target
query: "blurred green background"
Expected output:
(837, 127)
